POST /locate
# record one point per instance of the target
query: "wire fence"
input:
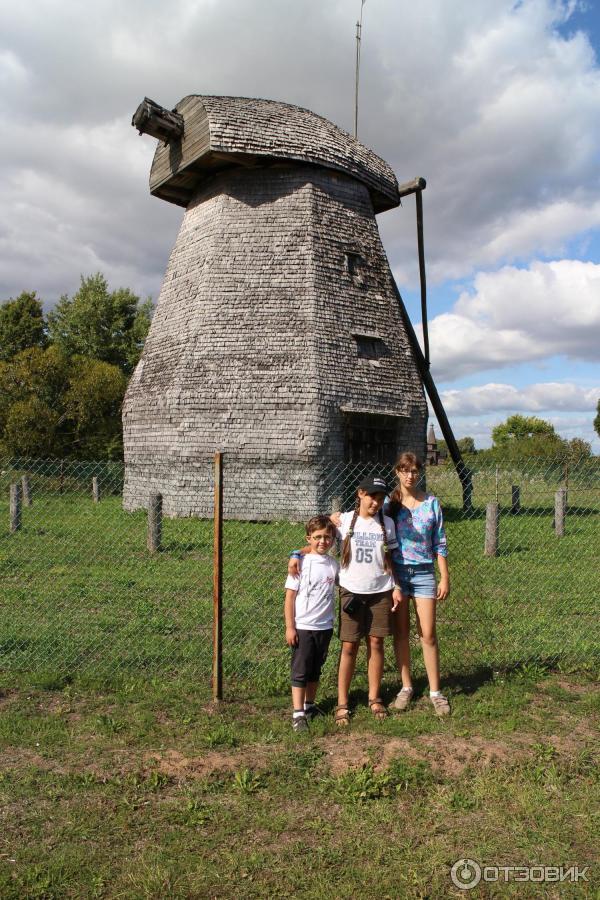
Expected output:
(83, 596)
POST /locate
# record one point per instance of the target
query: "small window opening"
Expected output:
(370, 347)
(356, 267)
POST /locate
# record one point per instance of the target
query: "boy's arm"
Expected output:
(289, 611)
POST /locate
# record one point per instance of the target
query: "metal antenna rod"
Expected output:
(357, 75)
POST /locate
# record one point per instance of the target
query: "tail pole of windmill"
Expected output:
(416, 187)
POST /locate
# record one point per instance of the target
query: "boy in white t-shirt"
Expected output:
(309, 604)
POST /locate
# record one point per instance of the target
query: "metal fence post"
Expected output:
(560, 511)
(15, 507)
(217, 669)
(154, 522)
(95, 489)
(492, 529)
(26, 488)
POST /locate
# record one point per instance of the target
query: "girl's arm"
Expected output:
(443, 588)
(289, 611)
(295, 564)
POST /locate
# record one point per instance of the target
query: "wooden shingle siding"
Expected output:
(252, 348)
(244, 129)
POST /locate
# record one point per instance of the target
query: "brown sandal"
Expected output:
(380, 714)
(342, 716)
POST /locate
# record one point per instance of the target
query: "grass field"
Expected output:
(120, 778)
(151, 792)
(83, 599)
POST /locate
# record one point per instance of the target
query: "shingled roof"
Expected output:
(223, 131)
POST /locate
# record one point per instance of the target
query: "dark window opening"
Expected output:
(370, 438)
(369, 347)
(356, 267)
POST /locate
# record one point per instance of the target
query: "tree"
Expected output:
(466, 445)
(597, 419)
(577, 450)
(21, 324)
(517, 428)
(92, 405)
(110, 326)
(55, 405)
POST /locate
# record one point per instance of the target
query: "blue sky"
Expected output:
(494, 102)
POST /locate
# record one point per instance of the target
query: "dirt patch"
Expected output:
(177, 765)
(349, 751)
(18, 758)
(452, 755)
(574, 688)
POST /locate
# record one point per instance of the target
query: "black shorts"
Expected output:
(309, 655)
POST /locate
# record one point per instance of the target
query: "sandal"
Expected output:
(381, 713)
(342, 716)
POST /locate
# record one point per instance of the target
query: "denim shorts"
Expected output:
(417, 580)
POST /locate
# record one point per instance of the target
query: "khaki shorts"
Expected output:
(373, 618)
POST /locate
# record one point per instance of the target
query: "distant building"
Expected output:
(433, 455)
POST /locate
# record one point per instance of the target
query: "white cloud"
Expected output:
(486, 100)
(533, 399)
(518, 315)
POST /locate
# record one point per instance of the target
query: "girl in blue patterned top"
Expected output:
(421, 542)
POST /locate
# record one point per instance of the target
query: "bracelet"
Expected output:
(296, 554)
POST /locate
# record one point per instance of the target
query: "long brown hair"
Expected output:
(346, 554)
(406, 460)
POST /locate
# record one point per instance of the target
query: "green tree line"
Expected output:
(525, 438)
(63, 376)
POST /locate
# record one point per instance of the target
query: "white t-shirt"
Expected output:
(316, 590)
(366, 574)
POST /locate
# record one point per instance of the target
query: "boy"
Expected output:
(309, 603)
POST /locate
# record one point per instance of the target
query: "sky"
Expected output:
(494, 102)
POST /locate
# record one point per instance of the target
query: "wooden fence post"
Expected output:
(95, 489)
(26, 488)
(560, 511)
(15, 508)
(515, 506)
(492, 529)
(217, 669)
(154, 522)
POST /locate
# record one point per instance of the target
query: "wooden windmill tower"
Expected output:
(278, 336)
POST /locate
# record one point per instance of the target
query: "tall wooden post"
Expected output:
(154, 522)
(26, 488)
(492, 529)
(15, 507)
(560, 511)
(217, 671)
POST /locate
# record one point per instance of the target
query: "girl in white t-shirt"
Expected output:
(368, 593)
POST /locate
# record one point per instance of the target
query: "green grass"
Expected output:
(149, 791)
(82, 599)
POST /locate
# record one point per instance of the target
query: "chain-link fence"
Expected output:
(83, 596)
